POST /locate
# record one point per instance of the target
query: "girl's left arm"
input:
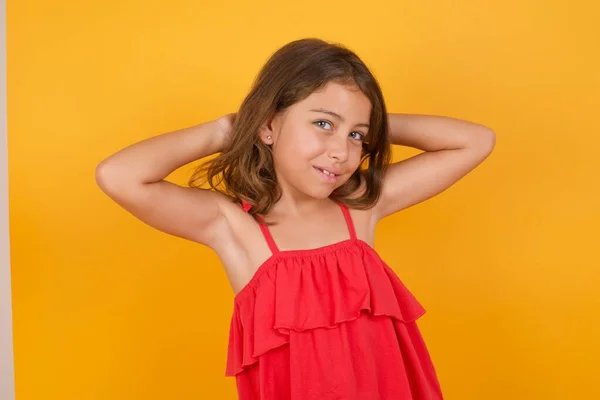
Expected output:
(452, 148)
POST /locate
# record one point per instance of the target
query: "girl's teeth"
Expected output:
(326, 172)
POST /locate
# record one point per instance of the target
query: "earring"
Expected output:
(268, 137)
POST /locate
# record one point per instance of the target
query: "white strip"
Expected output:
(7, 374)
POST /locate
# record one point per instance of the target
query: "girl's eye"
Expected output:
(355, 135)
(325, 122)
(359, 136)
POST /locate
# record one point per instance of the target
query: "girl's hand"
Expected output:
(224, 127)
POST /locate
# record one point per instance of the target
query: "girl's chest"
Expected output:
(247, 247)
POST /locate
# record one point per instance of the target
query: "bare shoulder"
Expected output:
(239, 244)
(363, 219)
(233, 219)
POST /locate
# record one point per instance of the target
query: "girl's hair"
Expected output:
(293, 72)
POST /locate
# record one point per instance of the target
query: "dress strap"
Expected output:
(268, 237)
(263, 228)
(349, 222)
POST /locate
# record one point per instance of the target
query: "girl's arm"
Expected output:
(452, 148)
(134, 178)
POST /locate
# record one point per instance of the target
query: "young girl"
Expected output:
(301, 181)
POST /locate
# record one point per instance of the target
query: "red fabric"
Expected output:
(328, 323)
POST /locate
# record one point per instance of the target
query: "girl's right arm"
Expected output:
(134, 178)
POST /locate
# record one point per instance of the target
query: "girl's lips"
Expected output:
(331, 170)
(325, 177)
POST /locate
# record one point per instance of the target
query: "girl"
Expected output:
(294, 197)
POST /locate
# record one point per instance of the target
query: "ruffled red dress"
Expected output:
(333, 322)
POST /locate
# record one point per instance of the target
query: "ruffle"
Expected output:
(309, 289)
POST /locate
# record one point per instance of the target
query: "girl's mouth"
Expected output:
(328, 176)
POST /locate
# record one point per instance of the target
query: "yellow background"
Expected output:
(506, 262)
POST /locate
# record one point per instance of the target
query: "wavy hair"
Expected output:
(245, 170)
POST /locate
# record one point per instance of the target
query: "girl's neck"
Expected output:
(291, 207)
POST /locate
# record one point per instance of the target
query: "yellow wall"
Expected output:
(506, 262)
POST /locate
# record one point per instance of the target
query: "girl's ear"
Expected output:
(266, 132)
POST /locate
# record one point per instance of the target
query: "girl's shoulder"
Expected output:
(242, 246)
(239, 243)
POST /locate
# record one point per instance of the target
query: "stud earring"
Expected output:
(268, 137)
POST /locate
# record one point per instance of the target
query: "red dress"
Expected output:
(333, 322)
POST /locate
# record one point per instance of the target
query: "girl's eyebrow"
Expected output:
(338, 116)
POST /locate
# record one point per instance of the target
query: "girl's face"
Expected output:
(317, 142)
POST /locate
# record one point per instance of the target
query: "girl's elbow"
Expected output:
(108, 176)
(485, 141)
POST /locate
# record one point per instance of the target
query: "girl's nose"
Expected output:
(338, 149)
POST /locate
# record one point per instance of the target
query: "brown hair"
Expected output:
(290, 75)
